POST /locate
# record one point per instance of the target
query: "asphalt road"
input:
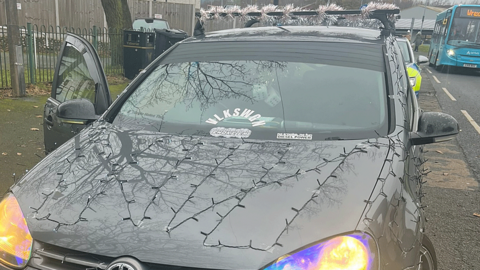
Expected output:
(452, 189)
(463, 85)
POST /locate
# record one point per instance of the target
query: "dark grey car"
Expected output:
(265, 148)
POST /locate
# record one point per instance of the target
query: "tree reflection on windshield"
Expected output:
(271, 95)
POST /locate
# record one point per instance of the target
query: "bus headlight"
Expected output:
(450, 52)
(15, 238)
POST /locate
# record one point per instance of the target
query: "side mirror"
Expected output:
(434, 127)
(422, 59)
(77, 111)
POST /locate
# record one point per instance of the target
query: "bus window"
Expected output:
(437, 31)
(465, 27)
(472, 33)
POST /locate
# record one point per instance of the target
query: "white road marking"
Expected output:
(448, 94)
(435, 78)
(429, 71)
(470, 119)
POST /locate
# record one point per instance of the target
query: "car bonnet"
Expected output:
(197, 201)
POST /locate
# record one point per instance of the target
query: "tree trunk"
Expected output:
(118, 18)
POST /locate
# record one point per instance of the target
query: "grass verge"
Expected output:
(424, 48)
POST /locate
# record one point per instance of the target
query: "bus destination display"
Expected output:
(469, 12)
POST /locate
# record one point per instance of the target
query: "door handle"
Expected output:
(49, 120)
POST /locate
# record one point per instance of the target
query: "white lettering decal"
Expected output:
(258, 123)
(236, 112)
(211, 121)
(255, 119)
(230, 132)
(246, 113)
(294, 136)
(226, 114)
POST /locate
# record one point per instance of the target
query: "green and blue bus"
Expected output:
(456, 38)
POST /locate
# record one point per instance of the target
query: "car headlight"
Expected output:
(348, 252)
(413, 81)
(15, 238)
(451, 52)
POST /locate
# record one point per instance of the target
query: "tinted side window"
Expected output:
(74, 78)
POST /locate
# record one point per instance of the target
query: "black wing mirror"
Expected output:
(434, 127)
(77, 111)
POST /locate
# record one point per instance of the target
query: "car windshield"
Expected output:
(150, 25)
(405, 51)
(266, 98)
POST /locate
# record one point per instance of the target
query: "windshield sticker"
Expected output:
(230, 132)
(294, 136)
(237, 116)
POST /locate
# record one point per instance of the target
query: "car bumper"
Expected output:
(462, 61)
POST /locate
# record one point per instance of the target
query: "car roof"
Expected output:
(297, 33)
(402, 39)
(149, 18)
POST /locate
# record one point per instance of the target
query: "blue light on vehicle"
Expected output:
(349, 252)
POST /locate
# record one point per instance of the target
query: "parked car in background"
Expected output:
(238, 149)
(413, 68)
(150, 24)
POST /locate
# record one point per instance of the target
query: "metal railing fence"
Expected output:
(41, 46)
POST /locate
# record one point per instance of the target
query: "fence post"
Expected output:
(15, 50)
(95, 37)
(31, 55)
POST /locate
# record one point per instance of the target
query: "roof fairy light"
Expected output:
(322, 11)
(372, 6)
(263, 13)
(326, 14)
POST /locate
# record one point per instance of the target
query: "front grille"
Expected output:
(50, 257)
(470, 57)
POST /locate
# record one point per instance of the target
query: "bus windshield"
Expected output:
(465, 27)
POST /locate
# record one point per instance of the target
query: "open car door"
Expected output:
(80, 92)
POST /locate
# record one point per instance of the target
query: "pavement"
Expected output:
(452, 189)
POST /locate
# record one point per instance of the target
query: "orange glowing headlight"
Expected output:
(349, 252)
(344, 252)
(15, 238)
